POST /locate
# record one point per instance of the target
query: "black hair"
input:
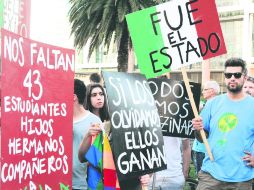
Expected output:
(88, 104)
(80, 90)
(95, 77)
(236, 62)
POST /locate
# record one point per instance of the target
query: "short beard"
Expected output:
(236, 90)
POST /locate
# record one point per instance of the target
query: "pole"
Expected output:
(195, 111)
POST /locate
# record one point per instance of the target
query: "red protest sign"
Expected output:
(37, 108)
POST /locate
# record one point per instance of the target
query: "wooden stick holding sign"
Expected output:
(195, 111)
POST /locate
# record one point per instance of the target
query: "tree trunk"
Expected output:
(122, 57)
(131, 61)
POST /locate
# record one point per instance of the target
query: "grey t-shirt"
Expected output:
(79, 170)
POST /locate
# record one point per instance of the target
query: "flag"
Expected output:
(109, 170)
(175, 34)
(101, 171)
(94, 168)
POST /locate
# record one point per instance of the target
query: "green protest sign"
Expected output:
(175, 34)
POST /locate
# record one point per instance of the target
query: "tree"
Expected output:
(100, 21)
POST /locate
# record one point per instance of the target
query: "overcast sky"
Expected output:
(49, 22)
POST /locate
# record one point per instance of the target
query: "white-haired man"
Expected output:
(248, 86)
(210, 89)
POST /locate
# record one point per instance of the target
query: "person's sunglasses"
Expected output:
(236, 75)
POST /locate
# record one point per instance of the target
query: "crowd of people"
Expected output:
(226, 118)
(90, 109)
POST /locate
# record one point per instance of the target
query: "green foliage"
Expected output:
(192, 172)
(102, 21)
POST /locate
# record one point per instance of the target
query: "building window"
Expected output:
(227, 2)
(232, 33)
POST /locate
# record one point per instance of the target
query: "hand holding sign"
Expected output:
(175, 34)
(194, 108)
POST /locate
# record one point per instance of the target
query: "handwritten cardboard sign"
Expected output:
(136, 134)
(174, 107)
(37, 109)
(175, 34)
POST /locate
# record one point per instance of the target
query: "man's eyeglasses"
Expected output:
(205, 89)
(236, 75)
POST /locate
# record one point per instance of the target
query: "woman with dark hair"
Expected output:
(96, 101)
(97, 104)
